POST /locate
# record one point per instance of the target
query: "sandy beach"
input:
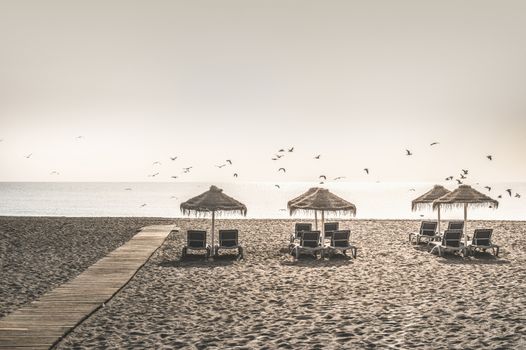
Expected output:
(394, 295)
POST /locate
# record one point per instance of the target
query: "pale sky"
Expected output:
(355, 81)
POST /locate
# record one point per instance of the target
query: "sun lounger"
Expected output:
(330, 227)
(451, 242)
(455, 225)
(196, 240)
(482, 240)
(427, 232)
(340, 242)
(299, 227)
(228, 239)
(309, 243)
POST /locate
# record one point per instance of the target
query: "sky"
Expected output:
(357, 82)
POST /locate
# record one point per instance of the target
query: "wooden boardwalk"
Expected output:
(44, 322)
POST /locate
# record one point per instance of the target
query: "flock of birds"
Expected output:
(463, 174)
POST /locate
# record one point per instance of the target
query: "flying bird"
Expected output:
(490, 157)
(277, 186)
(156, 163)
(465, 171)
(128, 189)
(339, 178)
(173, 158)
(153, 175)
(408, 152)
(434, 143)
(412, 189)
(449, 178)
(187, 170)
(509, 191)
(517, 195)
(173, 197)
(366, 170)
(291, 149)
(488, 187)
(279, 156)
(235, 174)
(274, 158)
(229, 161)
(499, 196)
(318, 156)
(282, 169)
(321, 182)
(29, 155)
(322, 176)
(143, 205)
(281, 150)
(462, 176)
(459, 182)
(174, 176)
(220, 166)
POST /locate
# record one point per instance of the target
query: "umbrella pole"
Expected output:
(465, 223)
(316, 220)
(322, 229)
(213, 226)
(439, 219)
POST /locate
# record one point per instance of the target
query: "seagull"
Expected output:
(499, 196)
(517, 195)
(173, 158)
(321, 182)
(156, 163)
(173, 197)
(282, 169)
(412, 189)
(274, 158)
(490, 157)
(283, 209)
(488, 187)
(322, 176)
(143, 205)
(339, 178)
(128, 189)
(220, 166)
(187, 170)
(434, 143)
(229, 161)
(174, 176)
(279, 156)
(154, 175)
(509, 191)
(281, 150)
(291, 149)
(449, 178)
(366, 170)
(462, 176)
(459, 182)
(465, 171)
(235, 174)
(318, 156)
(277, 186)
(408, 152)
(29, 155)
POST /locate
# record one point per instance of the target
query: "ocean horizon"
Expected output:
(389, 200)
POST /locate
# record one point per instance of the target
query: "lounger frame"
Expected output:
(482, 241)
(229, 240)
(427, 232)
(196, 241)
(340, 242)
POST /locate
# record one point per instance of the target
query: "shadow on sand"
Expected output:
(195, 260)
(310, 261)
(477, 258)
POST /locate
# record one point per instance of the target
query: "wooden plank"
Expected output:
(43, 322)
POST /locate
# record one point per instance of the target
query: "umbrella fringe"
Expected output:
(451, 206)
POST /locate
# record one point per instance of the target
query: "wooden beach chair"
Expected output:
(330, 227)
(309, 243)
(482, 240)
(196, 240)
(228, 239)
(300, 227)
(451, 242)
(340, 242)
(455, 225)
(427, 232)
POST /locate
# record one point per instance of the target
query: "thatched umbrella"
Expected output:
(427, 199)
(323, 200)
(301, 196)
(465, 195)
(213, 200)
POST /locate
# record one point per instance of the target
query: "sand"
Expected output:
(394, 295)
(38, 254)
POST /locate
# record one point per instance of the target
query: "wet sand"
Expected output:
(394, 295)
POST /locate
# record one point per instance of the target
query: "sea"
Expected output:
(386, 200)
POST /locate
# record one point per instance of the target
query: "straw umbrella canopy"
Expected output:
(427, 199)
(301, 196)
(323, 200)
(465, 196)
(212, 201)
